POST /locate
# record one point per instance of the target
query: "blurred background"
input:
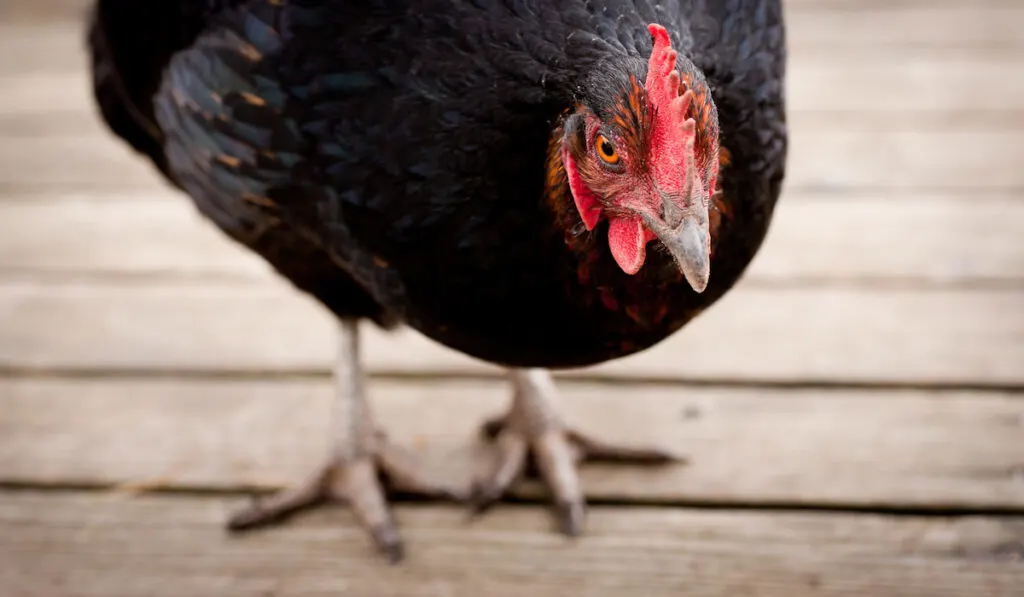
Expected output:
(853, 411)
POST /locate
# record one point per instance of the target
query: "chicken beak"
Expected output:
(689, 243)
(690, 246)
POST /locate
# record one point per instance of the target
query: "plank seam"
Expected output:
(35, 372)
(884, 509)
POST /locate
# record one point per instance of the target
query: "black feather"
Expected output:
(390, 157)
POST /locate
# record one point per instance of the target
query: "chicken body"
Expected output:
(394, 160)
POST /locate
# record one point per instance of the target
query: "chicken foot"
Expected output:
(360, 469)
(533, 428)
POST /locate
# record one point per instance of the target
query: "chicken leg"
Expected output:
(359, 459)
(533, 427)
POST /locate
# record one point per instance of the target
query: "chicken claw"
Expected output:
(363, 483)
(361, 469)
(533, 428)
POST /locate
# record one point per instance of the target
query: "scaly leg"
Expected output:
(533, 427)
(359, 457)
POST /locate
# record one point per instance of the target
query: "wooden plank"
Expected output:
(914, 84)
(747, 446)
(155, 233)
(43, 47)
(850, 159)
(23, 12)
(867, 28)
(965, 160)
(91, 161)
(61, 102)
(82, 544)
(872, 28)
(55, 8)
(829, 150)
(49, 102)
(922, 239)
(917, 239)
(821, 334)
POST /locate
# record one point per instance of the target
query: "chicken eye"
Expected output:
(606, 150)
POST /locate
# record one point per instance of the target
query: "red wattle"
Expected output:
(627, 240)
(586, 202)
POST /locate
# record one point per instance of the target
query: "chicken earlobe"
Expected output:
(533, 427)
(361, 466)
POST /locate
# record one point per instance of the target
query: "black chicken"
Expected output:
(539, 184)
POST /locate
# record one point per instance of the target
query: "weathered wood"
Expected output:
(72, 163)
(909, 28)
(832, 145)
(971, 161)
(154, 233)
(48, 103)
(83, 544)
(746, 446)
(868, 28)
(60, 102)
(917, 239)
(917, 84)
(912, 238)
(848, 159)
(814, 334)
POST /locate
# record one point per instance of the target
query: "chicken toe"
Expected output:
(362, 468)
(532, 433)
(363, 482)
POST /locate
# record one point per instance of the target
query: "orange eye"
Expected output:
(606, 150)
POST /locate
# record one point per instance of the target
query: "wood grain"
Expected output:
(155, 233)
(819, 334)
(86, 544)
(921, 239)
(915, 132)
(868, 26)
(842, 448)
(846, 160)
(914, 238)
(879, 28)
(181, 364)
(817, 89)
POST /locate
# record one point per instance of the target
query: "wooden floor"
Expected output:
(853, 411)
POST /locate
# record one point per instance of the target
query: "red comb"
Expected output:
(673, 131)
(663, 80)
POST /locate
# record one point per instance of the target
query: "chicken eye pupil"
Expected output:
(606, 151)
